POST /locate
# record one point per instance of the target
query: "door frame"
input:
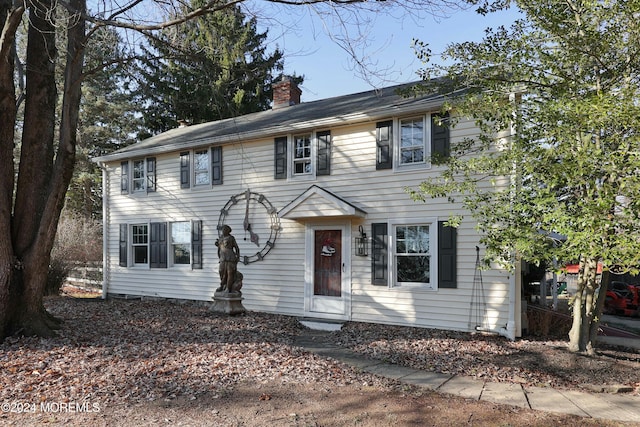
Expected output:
(309, 269)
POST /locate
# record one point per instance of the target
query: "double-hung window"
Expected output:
(302, 155)
(181, 242)
(413, 146)
(201, 165)
(412, 254)
(140, 244)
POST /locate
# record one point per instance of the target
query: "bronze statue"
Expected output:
(229, 255)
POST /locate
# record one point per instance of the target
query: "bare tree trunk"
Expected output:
(10, 17)
(42, 184)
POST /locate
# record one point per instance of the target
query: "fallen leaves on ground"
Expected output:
(125, 354)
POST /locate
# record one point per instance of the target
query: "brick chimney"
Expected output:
(285, 93)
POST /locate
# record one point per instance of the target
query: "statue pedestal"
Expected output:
(228, 302)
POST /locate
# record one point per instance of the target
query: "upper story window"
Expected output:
(304, 155)
(137, 176)
(412, 141)
(201, 167)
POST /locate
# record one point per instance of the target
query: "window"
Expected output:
(422, 254)
(205, 164)
(302, 154)
(310, 155)
(150, 246)
(201, 167)
(181, 242)
(143, 176)
(412, 254)
(140, 243)
(412, 141)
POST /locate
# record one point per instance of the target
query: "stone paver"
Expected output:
(551, 400)
(464, 387)
(390, 371)
(430, 380)
(602, 405)
(505, 394)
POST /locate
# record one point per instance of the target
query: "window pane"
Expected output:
(140, 254)
(182, 254)
(139, 233)
(181, 232)
(413, 269)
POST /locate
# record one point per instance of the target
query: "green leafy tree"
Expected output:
(557, 99)
(209, 68)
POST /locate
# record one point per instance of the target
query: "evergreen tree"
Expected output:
(109, 119)
(209, 68)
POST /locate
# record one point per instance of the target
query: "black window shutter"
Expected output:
(123, 245)
(384, 145)
(324, 153)
(158, 245)
(124, 177)
(447, 276)
(151, 174)
(280, 158)
(379, 254)
(216, 165)
(184, 170)
(440, 145)
(196, 243)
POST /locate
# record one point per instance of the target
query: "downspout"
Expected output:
(105, 231)
(509, 331)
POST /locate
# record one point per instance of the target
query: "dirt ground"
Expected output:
(151, 363)
(288, 404)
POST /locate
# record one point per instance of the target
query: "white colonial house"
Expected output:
(315, 195)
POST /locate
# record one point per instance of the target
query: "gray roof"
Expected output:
(346, 109)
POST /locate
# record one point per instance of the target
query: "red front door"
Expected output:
(328, 263)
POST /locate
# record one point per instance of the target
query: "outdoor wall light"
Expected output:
(362, 244)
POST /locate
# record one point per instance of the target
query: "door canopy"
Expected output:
(316, 202)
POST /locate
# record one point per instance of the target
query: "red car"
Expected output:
(622, 299)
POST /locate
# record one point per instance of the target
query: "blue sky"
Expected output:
(329, 69)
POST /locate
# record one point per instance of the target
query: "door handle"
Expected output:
(343, 267)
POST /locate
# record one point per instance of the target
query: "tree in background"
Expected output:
(209, 68)
(566, 80)
(109, 118)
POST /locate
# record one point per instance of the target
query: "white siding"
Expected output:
(277, 283)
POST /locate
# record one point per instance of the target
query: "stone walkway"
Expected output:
(616, 407)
